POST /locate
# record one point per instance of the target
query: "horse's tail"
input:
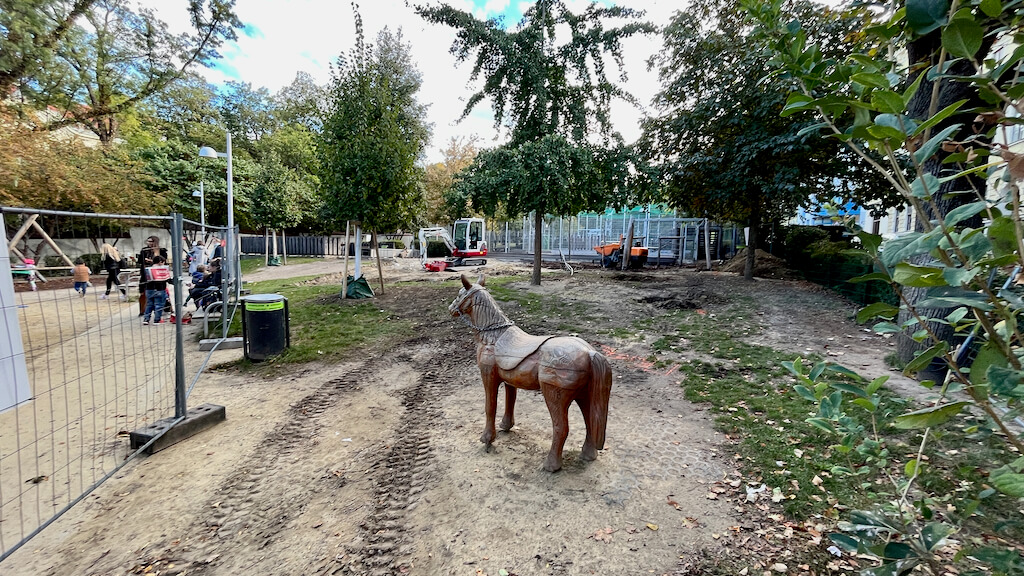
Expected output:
(600, 390)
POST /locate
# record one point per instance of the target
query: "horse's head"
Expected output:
(463, 303)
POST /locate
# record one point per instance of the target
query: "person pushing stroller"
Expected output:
(207, 290)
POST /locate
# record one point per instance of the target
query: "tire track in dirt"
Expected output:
(254, 504)
(400, 475)
(262, 500)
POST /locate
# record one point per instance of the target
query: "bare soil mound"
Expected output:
(765, 265)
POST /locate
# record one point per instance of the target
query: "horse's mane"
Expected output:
(486, 313)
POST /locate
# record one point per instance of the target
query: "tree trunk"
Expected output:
(105, 128)
(925, 50)
(380, 270)
(627, 249)
(344, 274)
(538, 221)
(751, 261)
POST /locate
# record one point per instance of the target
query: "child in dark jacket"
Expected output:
(156, 296)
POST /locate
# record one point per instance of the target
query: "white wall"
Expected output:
(14, 385)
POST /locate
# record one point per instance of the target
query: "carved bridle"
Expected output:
(456, 310)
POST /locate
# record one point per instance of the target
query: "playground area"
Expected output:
(373, 465)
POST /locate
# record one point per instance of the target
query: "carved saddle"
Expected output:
(514, 346)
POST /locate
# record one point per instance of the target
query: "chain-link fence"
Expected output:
(79, 370)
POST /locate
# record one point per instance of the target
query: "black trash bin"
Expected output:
(265, 329)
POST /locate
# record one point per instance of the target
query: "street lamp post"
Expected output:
(207, 152)
(229, 246)
(202, 207)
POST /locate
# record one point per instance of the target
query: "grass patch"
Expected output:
(892, 360)
(325, 327)
(754, 402)
(752, 397)
(251, 264)
(538, 311)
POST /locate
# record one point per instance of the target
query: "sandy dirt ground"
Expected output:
(373, 466)
(96, 374)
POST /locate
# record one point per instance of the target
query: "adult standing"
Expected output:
(197, 257)
(112, 264)
(218, 253)
(146, 259)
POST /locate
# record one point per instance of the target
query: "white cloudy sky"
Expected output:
(282, 38)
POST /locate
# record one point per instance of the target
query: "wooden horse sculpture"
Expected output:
(563, 368)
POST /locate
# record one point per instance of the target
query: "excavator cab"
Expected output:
(468, 235)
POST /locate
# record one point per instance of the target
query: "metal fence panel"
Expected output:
(90, 372)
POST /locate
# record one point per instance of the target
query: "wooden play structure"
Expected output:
(28, 270)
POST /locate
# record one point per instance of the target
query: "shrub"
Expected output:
(437, 250)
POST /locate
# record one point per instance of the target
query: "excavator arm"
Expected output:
(427, 233)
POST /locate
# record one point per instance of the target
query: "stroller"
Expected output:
(206, 291)
(203, 296)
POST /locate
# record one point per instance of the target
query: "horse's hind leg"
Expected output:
(508, 420)
(589, 447)
(558, 401)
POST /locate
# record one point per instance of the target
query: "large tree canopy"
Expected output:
(275, 164)
(373, 135)
(719, 145)
(95, 59)
(442, 203)
(39, 172)
(301, 102)
(547, 82)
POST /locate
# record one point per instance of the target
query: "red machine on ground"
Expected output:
(466, 242)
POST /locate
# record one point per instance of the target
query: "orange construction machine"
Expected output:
(611, 254)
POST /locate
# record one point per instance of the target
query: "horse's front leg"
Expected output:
(491, 382)
(508, 420)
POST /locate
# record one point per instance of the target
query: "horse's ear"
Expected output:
(480, 281)
(466, 283)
